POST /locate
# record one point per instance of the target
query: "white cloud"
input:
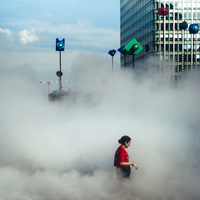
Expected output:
(28, 36)
(7, 32)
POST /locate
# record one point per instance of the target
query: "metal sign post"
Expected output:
(60, 46)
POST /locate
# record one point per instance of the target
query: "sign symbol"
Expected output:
(59, 73)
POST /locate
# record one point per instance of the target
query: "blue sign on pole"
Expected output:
(60, 44)
(194, 28)
(121, 50)
(112, 52)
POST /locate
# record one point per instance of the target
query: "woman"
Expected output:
(121, 161)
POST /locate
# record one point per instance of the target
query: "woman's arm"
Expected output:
(128, 164)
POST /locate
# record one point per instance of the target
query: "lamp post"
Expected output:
(184, 26)
(133, 48)
(163, 12)
(112, 53)
(124, 52)
(193, 29)
(60, 46)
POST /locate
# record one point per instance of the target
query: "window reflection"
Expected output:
(176, 5)
(194, 15)
(189, 15)
(194, 5)
(171, 16)
(171, 5)
(176, 16)
(189, 5)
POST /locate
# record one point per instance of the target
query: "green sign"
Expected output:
(184, 25)
(133, 47)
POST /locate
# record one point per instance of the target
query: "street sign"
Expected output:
(163, 11)
(184, 25)
(59, 73)
(121, 50)
(194, 28)
(112, 52)
(133, 47)
(60, 44)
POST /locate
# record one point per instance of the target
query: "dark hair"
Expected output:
(124, 139)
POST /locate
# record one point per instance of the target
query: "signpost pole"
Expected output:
(60, 72)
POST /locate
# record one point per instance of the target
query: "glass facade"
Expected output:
(177, 50)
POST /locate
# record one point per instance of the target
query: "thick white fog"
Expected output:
(64, 150)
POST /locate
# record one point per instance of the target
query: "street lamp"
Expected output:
(60, 46)
(112, 53)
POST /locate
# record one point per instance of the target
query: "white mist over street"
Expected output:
(65, 150)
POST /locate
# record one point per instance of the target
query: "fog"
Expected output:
(64, 150)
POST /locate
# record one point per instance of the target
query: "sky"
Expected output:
(28, 32)
(64, 150)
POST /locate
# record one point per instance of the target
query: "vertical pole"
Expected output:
(164, 45)
(183, 56)
(133, 61)
(48, 83)
(112, 64)
(60, 72)
(193, 51)
(125, 60)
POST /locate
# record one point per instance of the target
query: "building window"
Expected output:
(198, 57)
(180, 16)
(180, 37)
(185, 47)
(171, 5)
(176, 36)
(167, 37)
(194, 5)
(176, 5)
(194, 15)
(185, 36)
(185, 5)
(171, 37)
(198, 15)
(189, 47)
(157, 5)
(176, 26)
(157, 37)
(185, 15)
(157, 47)
(171, 16)
(167, 27)
(176, 47)
(157, 16)
(157, 26)
(167, 47)
(189, 5)
(180, 5)
(176, 16)
(171, 26)
(189, 15)
(198, 37)
(171, 47)
(189, 58)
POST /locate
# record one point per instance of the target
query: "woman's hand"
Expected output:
(136, 167)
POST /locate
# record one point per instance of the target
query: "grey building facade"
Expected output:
(175, 50)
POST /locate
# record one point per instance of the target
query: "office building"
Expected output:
(175, 50)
